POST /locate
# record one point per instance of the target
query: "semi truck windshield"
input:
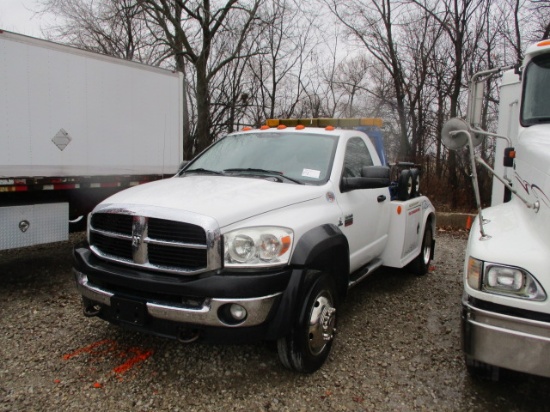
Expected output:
(535, 106)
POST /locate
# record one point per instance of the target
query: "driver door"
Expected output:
(366, 213)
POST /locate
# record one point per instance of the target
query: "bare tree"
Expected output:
(191, 30)
(371, 23)
(286, 43)
(541, 12)
(114, 28)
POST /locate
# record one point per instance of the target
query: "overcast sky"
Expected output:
(18, 16)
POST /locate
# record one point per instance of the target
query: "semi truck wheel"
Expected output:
(421, 264)
(308, 345)
(481, 370)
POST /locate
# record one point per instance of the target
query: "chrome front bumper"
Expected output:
(207, 314)
(506, 341)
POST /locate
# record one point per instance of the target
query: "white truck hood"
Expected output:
(534, 147)
(227, 199)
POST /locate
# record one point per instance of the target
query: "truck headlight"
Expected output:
(503, 280)
(258, 246)
(512, 281)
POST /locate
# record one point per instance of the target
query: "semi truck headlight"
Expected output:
(512, 281)
(257, 246)
(503, 280)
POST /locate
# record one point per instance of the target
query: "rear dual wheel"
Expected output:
(421, 264)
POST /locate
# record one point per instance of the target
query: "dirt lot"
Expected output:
(398, 349)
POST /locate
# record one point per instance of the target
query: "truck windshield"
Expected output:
(535, 106)
(299, 157)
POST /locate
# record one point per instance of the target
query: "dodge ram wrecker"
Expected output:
(258, 238)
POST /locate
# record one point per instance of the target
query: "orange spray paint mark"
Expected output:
(132, 355)
(90, 348)
(140, 356)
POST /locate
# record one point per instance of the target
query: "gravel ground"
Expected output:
(398, 350)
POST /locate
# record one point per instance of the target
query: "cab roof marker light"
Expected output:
(543, 43)
(330, 121)
(264, 127)
(329, 128)
(281, 127)
(300, 127)
(247, 128)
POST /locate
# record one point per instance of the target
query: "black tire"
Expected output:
(421, 264)
(308, 345)
(415, 184)
(404, 185)
(482, 370)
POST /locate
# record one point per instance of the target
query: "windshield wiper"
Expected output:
(202, 171)
(542, 119)
(263, 172)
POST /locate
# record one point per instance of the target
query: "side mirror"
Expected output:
(372, 177)
(475, 104)
(454, 134)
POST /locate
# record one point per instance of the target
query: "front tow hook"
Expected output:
(91, 310)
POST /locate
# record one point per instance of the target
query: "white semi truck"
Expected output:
(75, 127)
(506, 309)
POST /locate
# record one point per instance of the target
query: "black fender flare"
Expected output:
(320, 246)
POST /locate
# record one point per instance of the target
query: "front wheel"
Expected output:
(308, 345)
(421, 264)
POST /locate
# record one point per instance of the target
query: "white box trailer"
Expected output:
(75, 127)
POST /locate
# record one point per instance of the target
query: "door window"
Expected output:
(357, 156)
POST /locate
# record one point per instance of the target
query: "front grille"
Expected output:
(176, 231)
(176, 257)
(115, 247)
(149, 243)
(113, 223)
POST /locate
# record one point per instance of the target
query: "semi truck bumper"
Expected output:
(506, 341)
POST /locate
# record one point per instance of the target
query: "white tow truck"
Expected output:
(258, 238)
(506, 310)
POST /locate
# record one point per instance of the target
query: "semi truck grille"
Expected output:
(150, 243)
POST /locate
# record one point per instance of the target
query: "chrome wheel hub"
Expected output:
(322, 324)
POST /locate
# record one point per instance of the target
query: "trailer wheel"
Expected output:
(404, 185)
(481, 370)
(421, 264)
(308, 345)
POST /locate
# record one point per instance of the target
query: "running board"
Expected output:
(363, 272)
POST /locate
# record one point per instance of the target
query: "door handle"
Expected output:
(381, 198)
